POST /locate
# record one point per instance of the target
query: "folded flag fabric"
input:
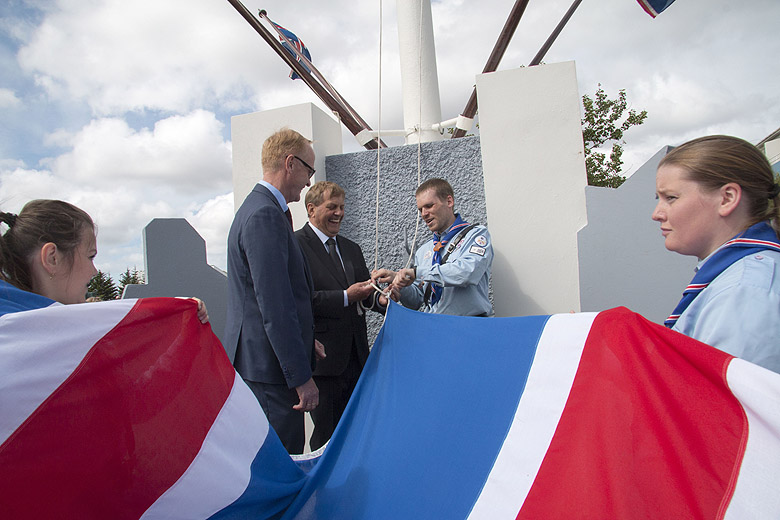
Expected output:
(654, 7)
(130, 409)
(567, 416)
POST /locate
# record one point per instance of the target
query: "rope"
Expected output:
(418, 130)
(419, 137)
(378, 140)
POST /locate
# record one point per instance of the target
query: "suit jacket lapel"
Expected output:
(262, 190)
(322, 253)
(348, 269)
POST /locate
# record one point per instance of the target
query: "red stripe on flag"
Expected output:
(650, 429)
(125, 425)
(646, 6)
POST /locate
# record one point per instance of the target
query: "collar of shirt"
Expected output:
(704, 261)
(322, 236)
(276, 193)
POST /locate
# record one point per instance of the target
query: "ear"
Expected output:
(310, 209)
(288, 163)
(450, 201)
(730, 197)
(50, 258)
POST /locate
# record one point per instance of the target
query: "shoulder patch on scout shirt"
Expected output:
(477, 250)
(481, 241)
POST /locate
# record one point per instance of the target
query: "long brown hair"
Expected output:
(39, 222)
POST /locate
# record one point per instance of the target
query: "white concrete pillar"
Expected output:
(249, 131)
(534, 169)
(419, 77)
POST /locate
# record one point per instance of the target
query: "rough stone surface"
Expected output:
(459, 161)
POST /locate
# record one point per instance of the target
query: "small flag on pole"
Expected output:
(299, 45)
(654, 7)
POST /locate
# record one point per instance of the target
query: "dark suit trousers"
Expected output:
(277, 402)
(335, 392)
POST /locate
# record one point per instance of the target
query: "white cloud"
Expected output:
(160, 79)
(20, 185)
(146, 54)
(8, 98)
(212, 222)
(185, 154)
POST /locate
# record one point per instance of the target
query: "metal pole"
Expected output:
(333, 104)
(495, 58)
(419, 76)
(324, 82)
(546, 47)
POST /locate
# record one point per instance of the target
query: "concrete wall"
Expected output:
(459, 161)
(175, 265)
(772, 151)
(535, 180)
(249, 131)
(623, 261)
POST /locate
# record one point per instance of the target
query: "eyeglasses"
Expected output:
(311, 170)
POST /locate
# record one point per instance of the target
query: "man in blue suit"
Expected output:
(269, 318)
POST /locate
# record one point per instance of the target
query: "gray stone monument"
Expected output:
(622, 258)
(175, 259)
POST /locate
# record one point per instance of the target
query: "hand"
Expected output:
(203, 313)
(308, 395)
(359, 291)
(382, 276)
(404, 278)
(319, 349)
(394, 295)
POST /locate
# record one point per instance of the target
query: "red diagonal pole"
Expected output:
(345, 114)
(495, 58)
(471, 106)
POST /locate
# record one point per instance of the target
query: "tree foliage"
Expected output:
(129, 277)
(102, 287)
(605, 122)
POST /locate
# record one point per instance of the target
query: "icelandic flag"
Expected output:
(566, 416)
(654, 7)
(130, 409)
(298, 44)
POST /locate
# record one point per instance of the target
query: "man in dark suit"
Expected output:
(269, 316)
(342, 294)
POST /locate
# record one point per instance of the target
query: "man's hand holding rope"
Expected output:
(385, 276)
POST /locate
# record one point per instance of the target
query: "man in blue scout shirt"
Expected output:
(451, 274)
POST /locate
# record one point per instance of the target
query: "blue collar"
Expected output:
(276, 193)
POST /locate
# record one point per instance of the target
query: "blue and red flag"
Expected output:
(131, 409)
(297, 43)
(655, 7)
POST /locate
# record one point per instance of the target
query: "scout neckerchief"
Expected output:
(758, 237)
(439, 241)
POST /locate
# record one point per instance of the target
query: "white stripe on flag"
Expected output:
(221, 470)
(39, 350)
(758, 390)
(555, 364)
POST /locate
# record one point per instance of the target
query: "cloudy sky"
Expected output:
(123, 108)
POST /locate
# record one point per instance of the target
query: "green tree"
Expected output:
(102, 287)
(129, 277)
(604, 122)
